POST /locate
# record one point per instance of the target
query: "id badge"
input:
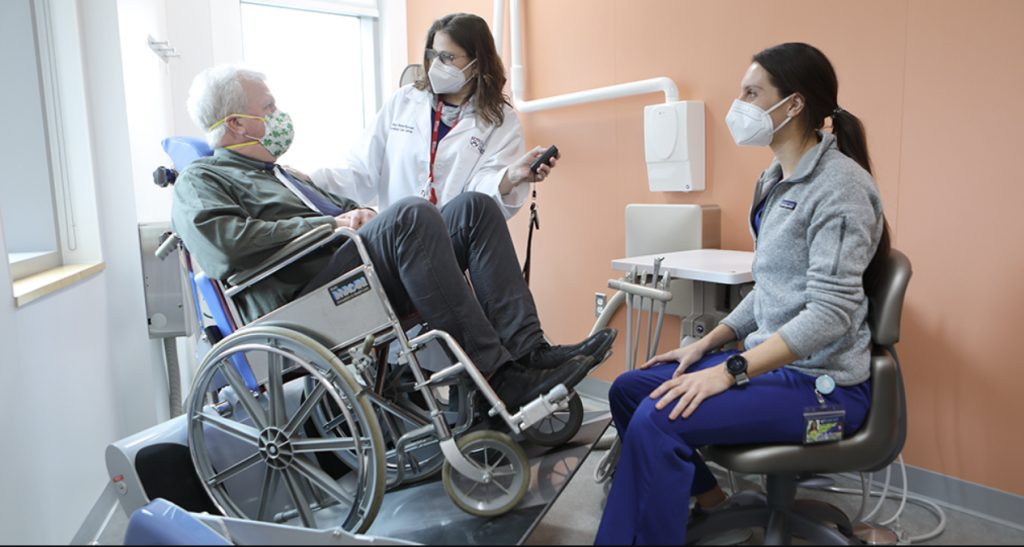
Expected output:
(823, 424)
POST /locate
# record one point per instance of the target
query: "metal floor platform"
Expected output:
(423, 513)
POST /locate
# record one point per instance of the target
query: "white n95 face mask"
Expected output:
(447, 78)
(752, 126)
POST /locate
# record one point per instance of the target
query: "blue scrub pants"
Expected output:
(659, 468)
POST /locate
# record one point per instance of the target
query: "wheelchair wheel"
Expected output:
(422, 461)
(558, 428)
(251, 449)
(497, 455)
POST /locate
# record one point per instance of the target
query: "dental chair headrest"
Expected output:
(184, 150)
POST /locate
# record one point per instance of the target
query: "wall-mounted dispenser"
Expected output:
(674, 146)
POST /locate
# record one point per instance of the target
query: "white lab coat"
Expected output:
(391, 160)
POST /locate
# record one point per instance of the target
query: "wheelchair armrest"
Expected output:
(294, 250)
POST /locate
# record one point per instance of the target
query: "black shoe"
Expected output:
(517, 385)
(547, 356)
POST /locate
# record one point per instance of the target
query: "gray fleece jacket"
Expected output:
(819, 230)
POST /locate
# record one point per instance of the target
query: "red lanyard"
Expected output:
(433, 147)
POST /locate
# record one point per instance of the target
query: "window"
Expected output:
(27, 201)
(47, 193)
(320, 58)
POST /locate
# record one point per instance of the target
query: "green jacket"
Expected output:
(233, 213)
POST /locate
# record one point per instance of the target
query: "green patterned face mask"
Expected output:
(277, 137)
(279, 133)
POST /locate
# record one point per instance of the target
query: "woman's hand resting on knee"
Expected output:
(686, 356)
(691, 390)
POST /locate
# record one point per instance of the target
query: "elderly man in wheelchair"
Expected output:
(302, 397)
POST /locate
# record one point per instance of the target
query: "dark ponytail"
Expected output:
(801, 68)
(850, 137)
(852, 141)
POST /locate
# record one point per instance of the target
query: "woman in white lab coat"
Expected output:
(479, 141)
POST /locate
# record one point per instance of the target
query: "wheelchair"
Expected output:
(304, 415)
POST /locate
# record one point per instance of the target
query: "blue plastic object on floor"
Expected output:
(163, 523)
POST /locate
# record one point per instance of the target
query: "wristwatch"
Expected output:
(737, 366)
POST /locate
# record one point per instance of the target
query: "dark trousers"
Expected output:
(659, 468)
(421, 254)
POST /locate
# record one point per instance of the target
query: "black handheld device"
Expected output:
(547, 155)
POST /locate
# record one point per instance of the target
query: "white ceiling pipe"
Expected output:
(652, 85)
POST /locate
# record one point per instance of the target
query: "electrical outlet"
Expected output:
(599, 302)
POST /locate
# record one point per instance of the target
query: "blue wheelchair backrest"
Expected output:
(185, 150)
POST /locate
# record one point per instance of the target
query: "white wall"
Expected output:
(77, 363)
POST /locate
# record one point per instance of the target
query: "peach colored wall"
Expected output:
(934, 82)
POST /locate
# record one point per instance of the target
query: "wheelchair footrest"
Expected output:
(544, 406)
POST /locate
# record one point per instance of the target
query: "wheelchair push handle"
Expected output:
(168, 245)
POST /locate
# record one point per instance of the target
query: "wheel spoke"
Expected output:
(336, 422)
(306, 409)
(396, 371)
(270, 479)
(293, 481)
(235, 429)
(234, 470)
(498, 463)
(251, 405)
(275, 390)
(321, 479)
(499, 487)
(327, 445)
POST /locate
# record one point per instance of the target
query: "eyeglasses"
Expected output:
(446, 58)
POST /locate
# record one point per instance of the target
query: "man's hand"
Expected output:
(355, 218)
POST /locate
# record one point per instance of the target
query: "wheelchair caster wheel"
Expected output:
(503, 460)
(558, 428)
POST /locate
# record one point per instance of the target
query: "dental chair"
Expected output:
(872, 448)
(299, 417)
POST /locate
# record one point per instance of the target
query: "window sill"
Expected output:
(41, 284)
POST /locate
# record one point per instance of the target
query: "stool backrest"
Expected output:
(884, 312)
(886, 300)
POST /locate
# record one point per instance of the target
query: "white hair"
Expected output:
(217, 93)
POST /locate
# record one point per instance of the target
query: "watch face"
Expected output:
(736, 364)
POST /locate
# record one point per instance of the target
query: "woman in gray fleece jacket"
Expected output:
(819, 236)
